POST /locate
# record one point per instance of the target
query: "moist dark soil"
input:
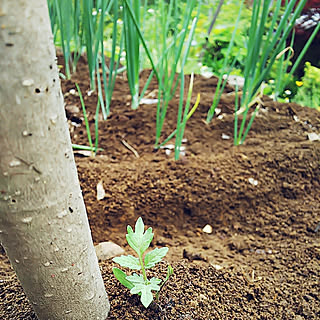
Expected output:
(262, 200)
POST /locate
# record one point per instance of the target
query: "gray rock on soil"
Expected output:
(108, 250)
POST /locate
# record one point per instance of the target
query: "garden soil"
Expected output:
(259, 256)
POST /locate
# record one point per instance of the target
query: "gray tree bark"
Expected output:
(43, 223)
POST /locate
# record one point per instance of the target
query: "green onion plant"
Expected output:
(225, 71)
(65, 25)
(133, 34)
(182, 119)
(92, 148)
(93, 16)
(109, 73)
(173, 52)
(282, 64)
(132, 47)
(269, 29)
(265, 42)
(79, 25)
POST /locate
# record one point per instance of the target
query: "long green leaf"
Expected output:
(122, 278)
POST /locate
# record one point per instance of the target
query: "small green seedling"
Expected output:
(139, 284)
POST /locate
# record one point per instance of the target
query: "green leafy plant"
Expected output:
(285, 78)
(139, 240)
(218, 38)
(308, 93)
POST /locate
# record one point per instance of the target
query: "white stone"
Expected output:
(217, 266)
(314, 136)
(207, 229)
(148, 101)
(253, 181)
(100, 191)
(225, 136)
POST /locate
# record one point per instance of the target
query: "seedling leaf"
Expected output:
(154, 257)
(155, 281)
(128, 261)
(139, 227)
(144, 289)
(169, 273)
(138, 240)
(136, 279)
(121, 276)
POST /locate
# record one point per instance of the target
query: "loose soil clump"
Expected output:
(262, 200)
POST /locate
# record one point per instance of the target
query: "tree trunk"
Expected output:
(43, 223)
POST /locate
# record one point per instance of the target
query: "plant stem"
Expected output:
(143, 269)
